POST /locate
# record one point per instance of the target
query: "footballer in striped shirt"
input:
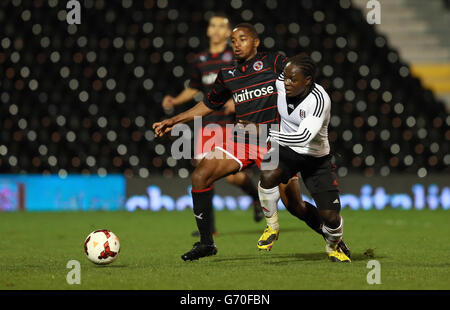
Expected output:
(204, 73)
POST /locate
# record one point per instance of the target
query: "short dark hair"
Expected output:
(250, 28)
(305, 63)
(222, 15)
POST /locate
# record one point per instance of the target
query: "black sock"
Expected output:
(250, 188)
(204, 214)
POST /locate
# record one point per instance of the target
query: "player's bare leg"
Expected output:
(243, 180)
(292, 199)
(303, 210)
(333, 225)
(214, 166)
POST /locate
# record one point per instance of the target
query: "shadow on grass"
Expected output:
(111, 266)
(289, 258)
(275, 258)
(363, 256)
(258, 232)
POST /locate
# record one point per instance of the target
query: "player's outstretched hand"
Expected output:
(163, 127)
(168, 102)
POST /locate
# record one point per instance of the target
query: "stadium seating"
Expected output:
(82, 98)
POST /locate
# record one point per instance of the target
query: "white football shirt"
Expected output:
(303, 124)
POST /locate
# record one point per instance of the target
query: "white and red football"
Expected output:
(102, 247)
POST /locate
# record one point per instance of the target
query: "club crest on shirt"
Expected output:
(302, 114)
(258, 65)
(202, 58)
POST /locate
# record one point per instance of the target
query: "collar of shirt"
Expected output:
(245, 65)
(300, 98)
(221, 54)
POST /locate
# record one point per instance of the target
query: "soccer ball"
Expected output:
(102, 247)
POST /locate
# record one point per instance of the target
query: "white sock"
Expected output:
(269, 203)
(333, 235)
(273, 221)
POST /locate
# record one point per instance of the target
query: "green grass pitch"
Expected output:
(412, 247)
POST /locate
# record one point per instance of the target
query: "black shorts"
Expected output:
(318, 173)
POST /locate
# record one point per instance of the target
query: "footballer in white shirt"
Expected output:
(302, 146)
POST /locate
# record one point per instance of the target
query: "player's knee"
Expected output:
(200, 178)
(268, 179)
(329, 206)
(237, 179)
(230, 179)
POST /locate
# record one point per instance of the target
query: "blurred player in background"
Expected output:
(251, 81)
(302, 145)
(205, 69)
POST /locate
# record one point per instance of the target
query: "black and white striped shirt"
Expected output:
(303, 124)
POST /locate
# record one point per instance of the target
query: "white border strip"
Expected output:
(231, 155)
(200, 156)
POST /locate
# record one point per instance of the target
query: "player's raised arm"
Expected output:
(165, 126)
